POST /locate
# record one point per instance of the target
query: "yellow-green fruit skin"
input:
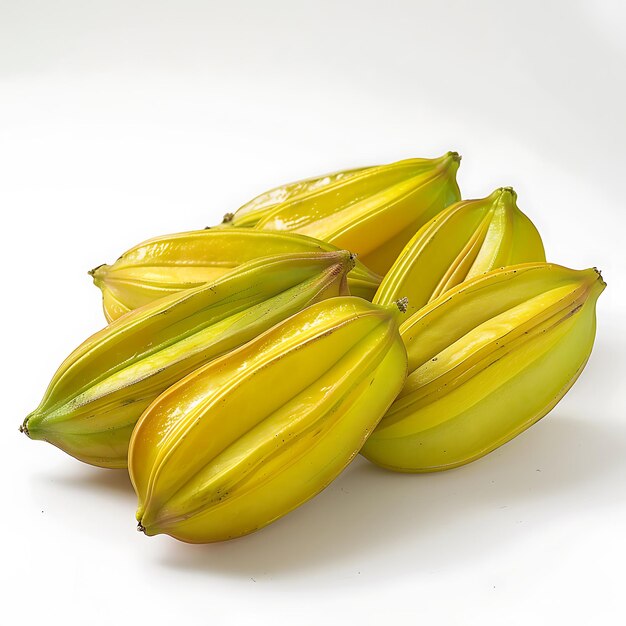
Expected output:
(469, 238)
(486, 361)
(252, 212)
(171, 263)
(251, 436)
(101, 389)
(374, 212)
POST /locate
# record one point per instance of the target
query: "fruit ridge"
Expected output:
(252, 212)
(101, 389)
(171, 263)
(374, 212)
(486, 361)
(217, 457)
(469, 238)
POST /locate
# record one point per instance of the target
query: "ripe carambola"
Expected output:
(254, 434)
(372, 212)
(467, 239)
(487, 359)
(97, 395)
(170, 263)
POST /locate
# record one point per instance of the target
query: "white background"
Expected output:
(122, 120)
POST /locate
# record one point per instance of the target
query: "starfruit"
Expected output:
(168, 264)
(250, 213)
(487, 360)
(373, 212)
(95, 398)
(467, 239)
(254, 434)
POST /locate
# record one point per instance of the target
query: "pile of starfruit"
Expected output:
(367, 311)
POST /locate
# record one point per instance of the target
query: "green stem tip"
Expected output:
(95, 269)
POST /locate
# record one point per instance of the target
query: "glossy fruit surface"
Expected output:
(487, 360)
(98, 393)
(375, 212)
(469, 238)
(252, 212)
(249, 437)
(165, 265)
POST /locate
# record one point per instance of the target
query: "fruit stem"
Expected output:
(599, 273)
(402, 304)
(95, 269)
(352, 261)
(24, 428)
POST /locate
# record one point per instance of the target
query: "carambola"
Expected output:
(165, 265)
(97, 395)
(467, 239)
(254, 434)
(372, 212)
(487, 359)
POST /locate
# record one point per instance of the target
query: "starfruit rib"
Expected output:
(311, 207)
(228, 308)
(102, 388)
(257, 448)
(250, 213)
(149, 317)
(480, 398)
(435, 379)
(460, 268)
(403, 218)
(171, 263)
(486, 361)
(377, 212)
(520, 428)
(265, 356)
(367, 210)
(473, 302)
(215, 457)
(465, 240)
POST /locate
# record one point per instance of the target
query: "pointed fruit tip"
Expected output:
(504, 195)
(95, 269)
(24, 428)
(450, 161)
(508, 191)
(141, 528)
(228, 217)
